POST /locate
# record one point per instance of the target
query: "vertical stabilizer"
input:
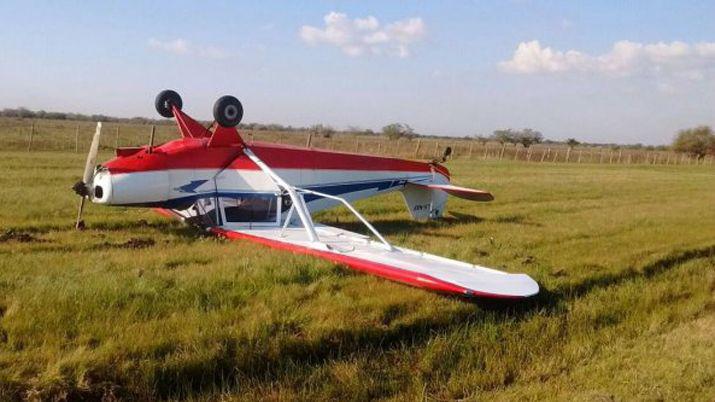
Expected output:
(423, 202)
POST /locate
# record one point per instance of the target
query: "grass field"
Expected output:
(140, 307)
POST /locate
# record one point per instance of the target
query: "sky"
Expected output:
(602, 71)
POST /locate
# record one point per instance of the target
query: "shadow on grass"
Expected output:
(651, 269)
(397, 226)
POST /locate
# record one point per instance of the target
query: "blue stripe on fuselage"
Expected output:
(332, 189)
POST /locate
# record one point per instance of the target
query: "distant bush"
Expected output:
(396, 131)
(526, 137)
(572, 142)
(322, 130)
(697, 141)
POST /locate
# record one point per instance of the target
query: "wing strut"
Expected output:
(298, 201)
(298, 205)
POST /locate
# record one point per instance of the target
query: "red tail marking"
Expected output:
(225, 136)
(188, 126)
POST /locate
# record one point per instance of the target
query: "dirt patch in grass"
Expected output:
(136, 242)
(133, 243)
(20, 237)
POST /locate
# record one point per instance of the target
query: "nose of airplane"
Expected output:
(101, 188)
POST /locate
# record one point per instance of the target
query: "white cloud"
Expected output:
(362, 36)
(182, 47)
(176, 46)
(680, 59)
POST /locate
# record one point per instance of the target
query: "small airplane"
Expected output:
(266, 193)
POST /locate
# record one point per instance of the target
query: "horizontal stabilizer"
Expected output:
(461, 192)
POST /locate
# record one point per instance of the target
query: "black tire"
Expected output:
(165, 100)
(228, 111)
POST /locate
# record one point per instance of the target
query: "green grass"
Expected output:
(625, 257)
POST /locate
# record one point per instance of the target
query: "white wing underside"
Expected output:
(399, 263)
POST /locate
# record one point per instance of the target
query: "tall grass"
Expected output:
(139, 307)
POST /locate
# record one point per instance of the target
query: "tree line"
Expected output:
(696, 141)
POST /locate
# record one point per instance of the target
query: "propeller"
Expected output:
(445, 156)
(82, 187)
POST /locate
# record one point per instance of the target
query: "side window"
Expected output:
(251, 208)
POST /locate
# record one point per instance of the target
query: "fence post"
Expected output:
(151, 139)
(610, 157)
(580, 152)
(417, 148)
(32, 133)
(600, 156)
(309, 140)
(568, 154)
(357, 145)
(501, 154)
(486, 150)
(76, 139)
(620, 152)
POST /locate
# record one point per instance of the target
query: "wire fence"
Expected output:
(73, 136)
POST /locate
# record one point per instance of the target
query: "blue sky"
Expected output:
(607, 71)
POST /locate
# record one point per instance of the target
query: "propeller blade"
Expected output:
(79, 224)
(82, 188)
(92, 155)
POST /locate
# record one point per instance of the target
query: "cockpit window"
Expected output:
(250, 208)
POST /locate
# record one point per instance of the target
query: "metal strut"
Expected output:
(298, 205)
(353, 210)
(298, 201)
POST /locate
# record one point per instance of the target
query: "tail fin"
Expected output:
(428, 201)
(424, 202)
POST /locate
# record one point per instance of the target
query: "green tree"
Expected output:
(572, 142)
(396, 131)
(527, 137)
(505, 136)
(322, 130)
(697, 141)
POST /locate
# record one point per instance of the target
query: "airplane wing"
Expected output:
(399, 264)
(411, 267)
(461, 192)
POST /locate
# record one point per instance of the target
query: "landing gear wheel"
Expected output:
(165, 100)
(228, 111)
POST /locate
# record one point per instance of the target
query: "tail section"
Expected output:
(424, 202)
(427, 200)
